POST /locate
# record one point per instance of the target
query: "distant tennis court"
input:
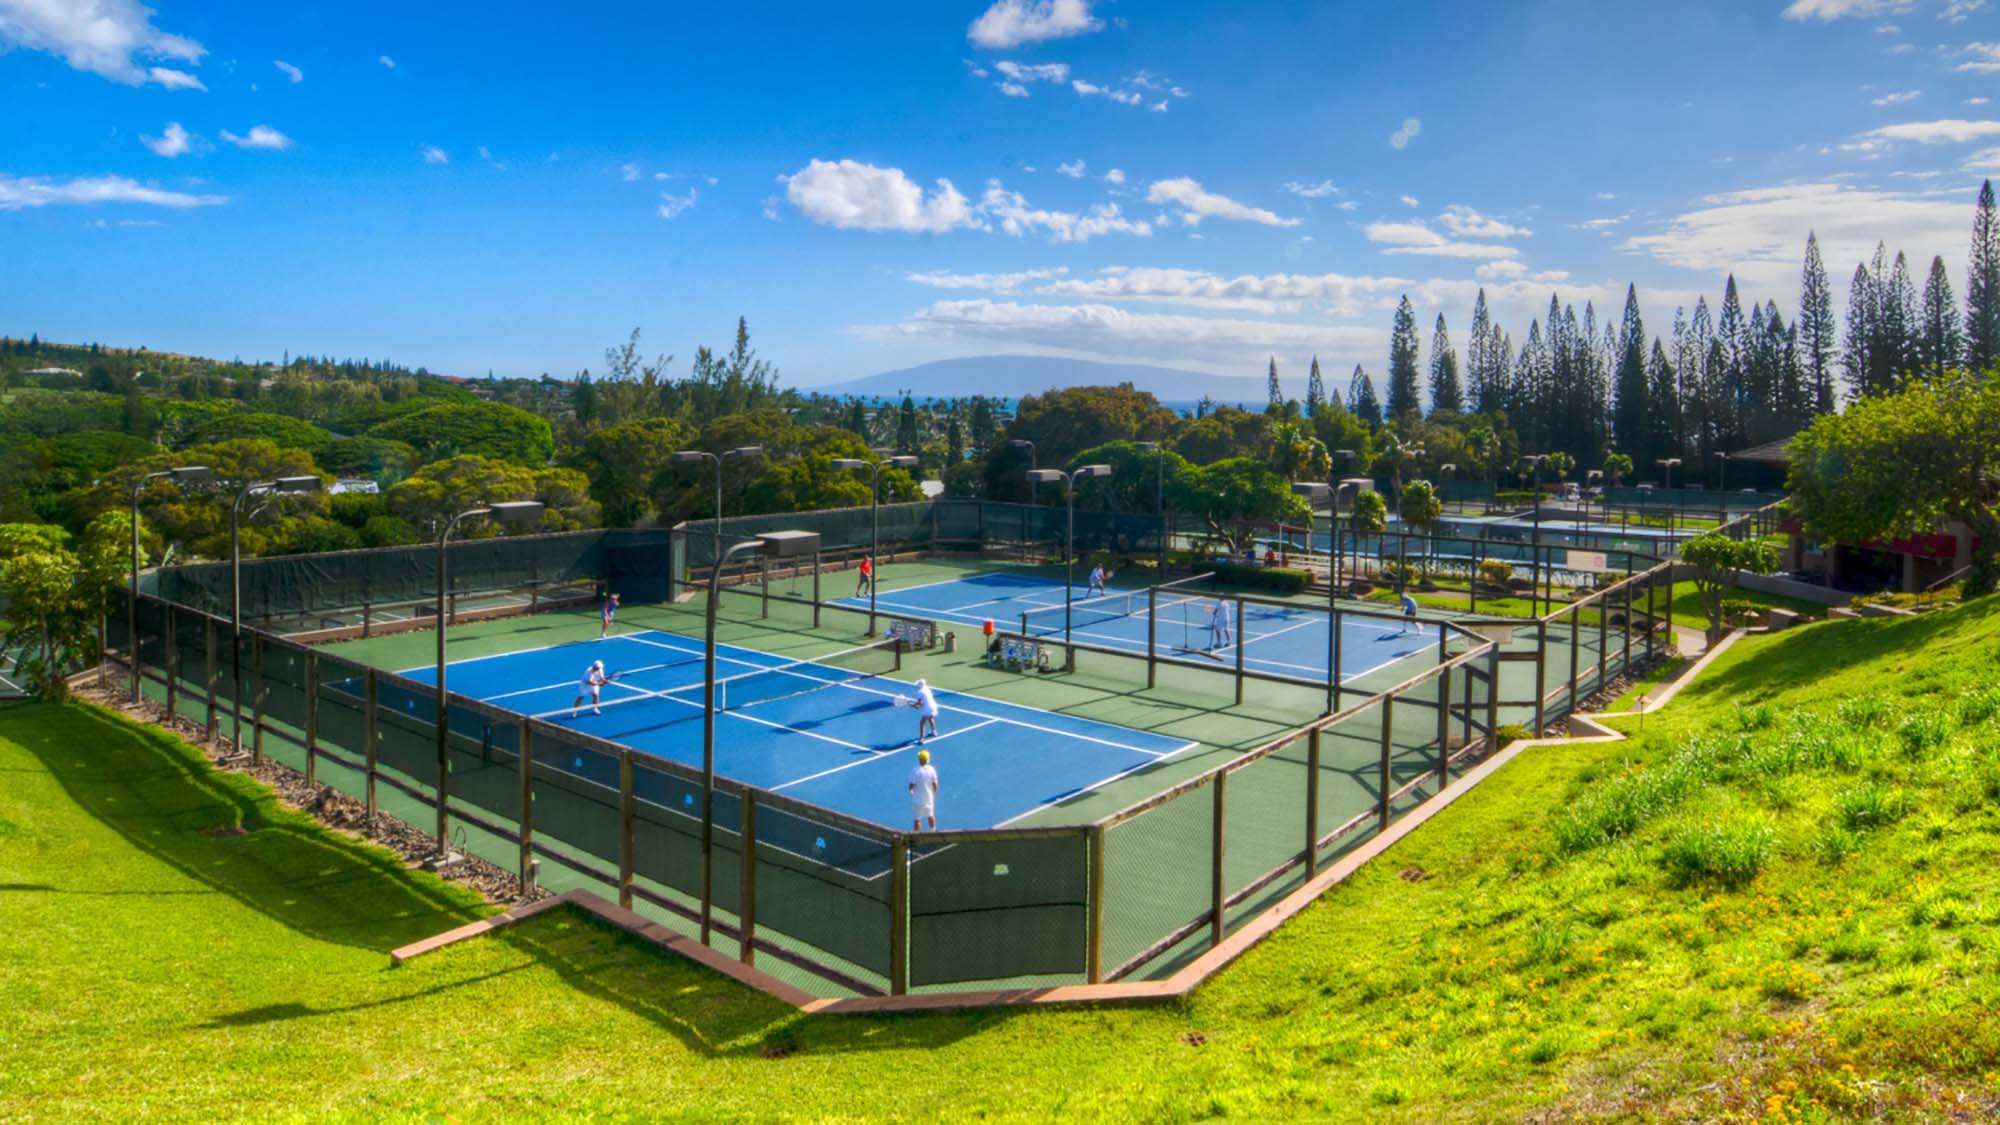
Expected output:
(1289, 641)
(828, 731)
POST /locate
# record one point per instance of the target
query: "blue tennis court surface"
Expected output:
(829, 733)
(1281, 641)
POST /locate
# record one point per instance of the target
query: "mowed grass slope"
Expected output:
(1777, 900)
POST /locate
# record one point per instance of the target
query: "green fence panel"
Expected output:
(991, 910)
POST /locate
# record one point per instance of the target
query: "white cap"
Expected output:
(920, 683)
(597, 664)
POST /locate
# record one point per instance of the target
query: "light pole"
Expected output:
(1069, 479)
(1597, 474)
(280, 486)
(1668, 464)
(693, 456)
(513, 513)
(1722, 474)
(1160, 498)
(875, 516)
(1314, 492)
(775, 544)
(1024, 443)
(186, 474)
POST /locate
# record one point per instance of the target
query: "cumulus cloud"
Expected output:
(1958, 11)
(173, 141)
(101, 37)
(291, 72)
(1409, 200)
(986, 282)
(672, 205)
(259, 136)
(432, 154)
(1014, 23)
(856, 196)
(1336, 294)
(1944, 131)
(1115, 176)
(1033, 72)
(1194, 204)
(1406, 133)
(18, 193)
(1468, 223)
(1829, 10)
(1985, 163)
(1418, 238)
(1983, 58)
(1073, 169)
(1320, 190)
(1091, 89)
(1016, 217)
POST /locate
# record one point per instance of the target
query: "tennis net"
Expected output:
(1090, 612)
(762, 685)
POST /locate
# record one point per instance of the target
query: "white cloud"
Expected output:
(1760, 234)
(1159, 106)
(259, 136)
(1115, 176)
(1013, 89)
(1468, 223)
(485, 153)
(1887, 29)
(432, 154)
(672, 205)
(291, 72)
(1977, 101)
(1017, 218)
(1502, 270)
(1332, 293)
(1012, 23)
(386, 61)
(629, 173)
(1409, 200)
(1033, 72)
(1959, 10)
(1604, 225)
(1408, 132)
(1985, 58)
(1073, 169)
(986, 282)
(1827, 10)
(173, 141)
(1897, 97)
(1089, 89)
(1347, 205)
(21, 192)
(974, 68)
(1417, 238)
(1944, 131)
(771, 211)
(1985, 163)
(1320, 190)
(101, 37)
(856, 196)
(1196, 204)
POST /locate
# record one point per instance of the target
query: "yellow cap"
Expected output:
(923, 755)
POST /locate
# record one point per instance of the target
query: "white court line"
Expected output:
(951, 581)
(520, 651)
(878, 756)
(1095, 785)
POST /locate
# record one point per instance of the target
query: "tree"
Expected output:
(621, 461)
(1405, 399)
(1904, 463)
(1370, 512)
(1816, 328)
(1940, 344)
(1982, 285)
(1617, 466)
(1630, 413)
(1561, 464)
(1447, 395)
(1136, 475)
(1294, 452)
(1484, 390)
(1857, 345)
(1061, 422)
(1315, 390)
(1663, 409)
(482, 429)
(54, 596)
(1361, 400)
(1419, 506)
(906, 426)
(1719, 562)
(1894, 349)
(1229, 492)
(444, 488)
(1274, 394)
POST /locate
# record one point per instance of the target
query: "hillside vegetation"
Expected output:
(1776, 901)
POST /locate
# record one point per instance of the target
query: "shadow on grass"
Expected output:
(157, 792)
(278, 1013)
(1801, 657)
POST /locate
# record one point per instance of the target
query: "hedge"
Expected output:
(1278, 579)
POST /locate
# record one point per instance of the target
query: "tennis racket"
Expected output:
(905, 701)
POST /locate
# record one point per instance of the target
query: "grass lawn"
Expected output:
(1780, 896)
(1658, 674)
(1688, 611)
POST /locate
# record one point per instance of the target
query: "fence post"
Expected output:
(1541, 674)
(746, 909)
(1465, 707)
(1575, 647)
(1152, 635)
(1444, 729)
(256, 699)
(1628, 623)
(625, 845)
(1239, 651)
(1333, 673)
(524, 763)
(1216, 883)
(312, 718)
(1603, 639)
(1382, 797)
(1652, 617)
(764, 574)
(1472, 579)
(208, 665)
(368, 730)
(899, 915)
(815, 589)
(1094, 961)
(1312, 802)
(1493, 700)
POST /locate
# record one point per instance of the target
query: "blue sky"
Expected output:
(513, 187)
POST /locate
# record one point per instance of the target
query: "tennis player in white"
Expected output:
(589, 688)
(1218, 626)
(927, 712)
(1096, 586)
(923, 792)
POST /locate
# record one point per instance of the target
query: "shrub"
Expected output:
(1493, 572)
(1834, 845)
(1282, 580)
(1717, 852)
(1864, 711)
(1512, 732)
(1923, 731)
(1870, 806)
(1623, 805)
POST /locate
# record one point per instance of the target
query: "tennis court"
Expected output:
(828, 731)
(1289, 641)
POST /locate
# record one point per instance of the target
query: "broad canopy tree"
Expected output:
(1719, 563)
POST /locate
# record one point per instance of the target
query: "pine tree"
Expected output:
(954, 440)
(1447, 395)
(1404, 393)
(1940, 343)
(1631, 418)
(1361, 400)
(1982, 286)
(1817, 330)
(1276, 394)
(1663, 437)
(1896, 324)
(1726, 389)
(1481, 394)
(1699, 374)
(1533, 377)
(1857, 347)
(906, 426)
(1315, 390)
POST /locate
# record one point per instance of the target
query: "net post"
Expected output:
(626, 851)
(1094, 958)
(525, 813)
(1217, 891)
(899, 915)
(1388, 731)
(257, 699)
(1541, 674)
(1333, 667)
(1444, 729)
(1239, 651)
(764, 576)
(312, 718)
(815, 588)
(1152, 636)
(1312, 802)
(208, 673)
(367, 618)
(746, 912)
(368, 729)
